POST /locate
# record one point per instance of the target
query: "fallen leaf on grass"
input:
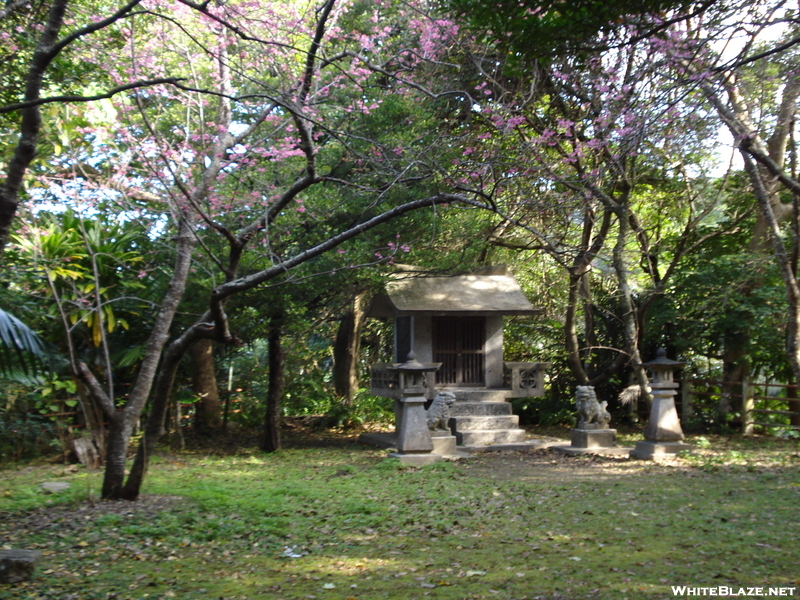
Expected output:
(474, 573)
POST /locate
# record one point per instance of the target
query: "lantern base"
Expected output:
(416, 460)
(650, 450)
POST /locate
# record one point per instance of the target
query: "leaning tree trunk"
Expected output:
(271, 441)
(764, 176)
(121, 421)
(347, 348)
(31, 120)
(782, 258)
(154, 426)
(630, 325)
(208, 413)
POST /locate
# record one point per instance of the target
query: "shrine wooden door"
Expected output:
(458, 345)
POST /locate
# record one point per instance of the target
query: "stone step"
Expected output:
(477, 394)
(484, 422)
(459, 409)
(488, 437)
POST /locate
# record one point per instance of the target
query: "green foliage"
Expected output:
(74, 261)
(705, 311)
(538, 28)
(38, 418)
(363, 410)
(99, 274)
(23, 435)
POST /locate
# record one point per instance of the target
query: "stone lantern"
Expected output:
(414, 443)
(663, 433)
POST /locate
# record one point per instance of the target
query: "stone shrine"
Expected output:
(458, 321)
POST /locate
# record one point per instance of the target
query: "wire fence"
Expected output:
(766, 405)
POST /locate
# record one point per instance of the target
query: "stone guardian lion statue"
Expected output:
(439, 412)
(590, 411)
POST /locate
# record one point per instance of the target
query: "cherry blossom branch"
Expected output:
(311, 57)
(383, 70)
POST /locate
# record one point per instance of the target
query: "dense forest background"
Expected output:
(199, 199)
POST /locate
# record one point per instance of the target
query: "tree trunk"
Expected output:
(154, 426)
(208, 412)
(346, 349)
(31, 120)
(121, 422)
(735, 368)
(794, 403)
(585, 288)
(770, 157)
(271, 442)
(119, 434)
(574, 361)
(630, 325)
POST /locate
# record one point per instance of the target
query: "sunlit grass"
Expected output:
(344, 523)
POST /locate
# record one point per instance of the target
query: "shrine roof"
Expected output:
(479, 293)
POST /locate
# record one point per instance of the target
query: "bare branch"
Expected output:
(73, 98)
(12, 6)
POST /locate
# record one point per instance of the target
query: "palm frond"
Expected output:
(21, 350)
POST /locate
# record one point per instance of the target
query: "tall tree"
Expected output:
(271, 440)
(573, 146)
(291, 132)
(755, 93)
(41, 75)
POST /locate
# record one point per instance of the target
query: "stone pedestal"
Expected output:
(663, 434)
(591, 440)
(416, 459)
(413, 434)
(444, 444)
(17, 565)
(664, 424)
(594, 438)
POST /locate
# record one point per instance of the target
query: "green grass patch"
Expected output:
(345, 522)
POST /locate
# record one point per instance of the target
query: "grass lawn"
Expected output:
(341, 522)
